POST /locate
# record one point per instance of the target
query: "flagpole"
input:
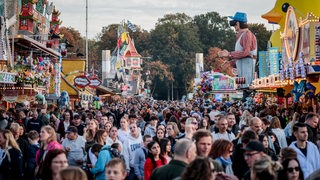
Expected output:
(87, 50)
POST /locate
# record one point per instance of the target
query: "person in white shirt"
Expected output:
(74, 146)
(113, 137)
(123, 131)
(133, 142)
(223, 132)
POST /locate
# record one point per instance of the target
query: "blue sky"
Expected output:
(146, 13)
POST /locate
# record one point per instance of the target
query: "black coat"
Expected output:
(239, 164)
(13, 169)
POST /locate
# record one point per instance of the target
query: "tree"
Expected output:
(214, 31)
(159, 74)
(175, 42)
(262, 35)
(74, 38)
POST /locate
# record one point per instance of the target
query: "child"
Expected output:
(116, 169)
(33, 138)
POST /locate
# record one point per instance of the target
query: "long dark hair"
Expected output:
(198, 169)
(163, 146)
(283, 173)
(151, 156)
(45, 170)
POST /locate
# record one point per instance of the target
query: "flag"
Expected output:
(131, 26)
(119, 42)
(124, 37)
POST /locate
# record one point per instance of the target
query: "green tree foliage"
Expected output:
(107, 39)
(262, 35)
(214, 31)
(175, 42)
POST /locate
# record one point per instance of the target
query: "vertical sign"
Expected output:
(274, 60)
(263, 64)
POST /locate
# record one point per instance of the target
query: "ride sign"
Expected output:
(81, 81)
(94, 82)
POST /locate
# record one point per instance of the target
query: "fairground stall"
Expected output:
(29, 52)
(216, 87)
(293, 72)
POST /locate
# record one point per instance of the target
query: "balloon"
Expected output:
(298, 89)
(310, 89)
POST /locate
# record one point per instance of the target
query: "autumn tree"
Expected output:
(159, 74)
(78, 49)
(75, 39)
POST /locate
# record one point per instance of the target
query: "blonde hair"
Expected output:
(174, 126)
(15, 129)
(10, 141)
(265, 168)
(246, 116)
(90, 132)
(73, 172)
(190, 120)
(51, 132)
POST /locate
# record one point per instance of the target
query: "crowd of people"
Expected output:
(159, 140)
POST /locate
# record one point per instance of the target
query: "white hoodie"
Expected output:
(129, 146)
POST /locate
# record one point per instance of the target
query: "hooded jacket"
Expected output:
(129, 146)
(103, 158)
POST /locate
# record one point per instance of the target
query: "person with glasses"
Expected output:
(221, 151)
(308, 153)
(254, 150)
(54, 161)
(291, 170)
(190, 126)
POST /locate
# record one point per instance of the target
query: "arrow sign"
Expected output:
(94, 82)
(81, 81)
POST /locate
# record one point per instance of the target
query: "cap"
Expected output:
(213, 107)
(239, 16)
(255, 146)
(76, 116)
(72, 129)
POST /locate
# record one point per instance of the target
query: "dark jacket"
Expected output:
(31, 160)
(12, 169)
(170, 171)
(312, 134)
(34, 125)
(239, 165)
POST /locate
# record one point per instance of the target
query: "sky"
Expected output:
(145, 13)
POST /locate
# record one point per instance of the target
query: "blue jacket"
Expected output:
(139, 160)
(103, 158)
